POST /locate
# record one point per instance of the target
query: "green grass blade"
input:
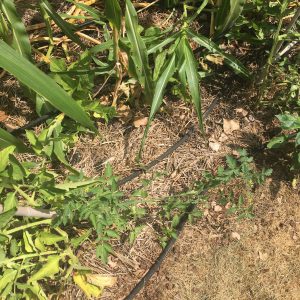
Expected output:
(7, 139)
(191, 70)
(4, 34)
(231, 61)
(158, 96)
(227, 14)
(42, 84)
(67, 28)
(139, 51)
(20, 40)
(113, 13)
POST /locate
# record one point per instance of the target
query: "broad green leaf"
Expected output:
(227, 14)
(73, 185)
(4, 156)
(89, 289)
(38, 81)
(158, 96)
(191, 70)
(231, 61)
(8, 277)
(16, 171)
(10, 202)
(7, 139)
(67, 28)
(6, 217)
(48, 238)
(20, 40)
(50, 268)
(113, 13)
(277, 141)
(139, 51)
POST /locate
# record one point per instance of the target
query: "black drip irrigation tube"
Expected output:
(141, 284)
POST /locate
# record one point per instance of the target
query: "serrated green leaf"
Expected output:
(277, 141)
(8, 277)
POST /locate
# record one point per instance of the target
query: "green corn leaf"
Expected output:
(227, 14)
(4, 33)
(42, 84)
(49, 269)
(231, 61)
(139, 51)
(113, 13)
(158, 96)
(20, 40)
(191, 70)
(67, 28)
(7, 139)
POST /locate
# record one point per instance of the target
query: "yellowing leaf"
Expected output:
(140, 122)
(230, 125)
(48, 238)
(216, 59)
(90, 290)
(28, 243)
(101, 280)
(49, 269)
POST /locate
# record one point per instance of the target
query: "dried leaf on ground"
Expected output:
(3, 116)
(140, 122)
(230, 125)
(241, 112)
(214, 146)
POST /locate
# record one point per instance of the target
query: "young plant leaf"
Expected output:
(227, 14)
(139, 51)
(67, 28)
(113, 13)
(20, 41)
(191, 70)
(38, 81)
(50, 268)
(158, 96)
(231, 61)
(7, 139)
(4, 156)
(6, 217)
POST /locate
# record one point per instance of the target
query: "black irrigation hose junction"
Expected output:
(139, 286)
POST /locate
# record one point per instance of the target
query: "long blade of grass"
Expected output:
(20, 40)
(113, 13)
(139, 51)
(7, 139)
(231, 61)
(227, 14)
(158, 97)
(191, 69)
(42, 84)
(66, 27)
